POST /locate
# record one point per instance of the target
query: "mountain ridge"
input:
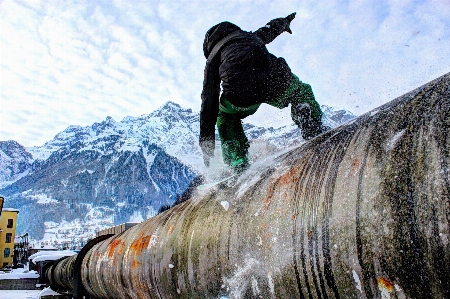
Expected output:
(118, 171)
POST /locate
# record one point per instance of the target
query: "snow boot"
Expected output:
(235, 155)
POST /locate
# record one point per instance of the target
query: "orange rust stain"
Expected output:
(310, 234)
(140, 244)
(135, 264)
(287, 179)
(290, 177)
(268, 199)
(355, 166)
(170, 229)
(385, 284)
(267, 202)
(116, 244)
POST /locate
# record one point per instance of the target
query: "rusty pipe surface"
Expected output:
(362, 211)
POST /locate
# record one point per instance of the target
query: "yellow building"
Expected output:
(8, 221)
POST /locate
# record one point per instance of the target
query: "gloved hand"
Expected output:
(289, 19)
(283, 24)
(207, 147)
(310, 126)
(301, 114)
(314, 129)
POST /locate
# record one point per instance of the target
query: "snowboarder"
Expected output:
(250, 76)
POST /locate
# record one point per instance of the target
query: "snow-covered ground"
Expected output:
(24, 273)
(18, 274)
(19, 294)
(25, 294)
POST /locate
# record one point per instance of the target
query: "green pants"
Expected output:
(229, 121)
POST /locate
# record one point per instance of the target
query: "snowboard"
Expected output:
(210, 185)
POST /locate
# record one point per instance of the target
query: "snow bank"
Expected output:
(20, 273)
(19, 294)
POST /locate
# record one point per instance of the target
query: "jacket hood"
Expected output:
(215, 34)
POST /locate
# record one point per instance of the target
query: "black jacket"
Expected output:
(248, 72)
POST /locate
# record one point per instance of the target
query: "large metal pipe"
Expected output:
(63, 275)
(60, 274)
(362, 211)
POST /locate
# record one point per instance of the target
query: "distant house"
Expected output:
(8, 221)
(38, 248)
(21, 250)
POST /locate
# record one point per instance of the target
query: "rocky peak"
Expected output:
(15, 161)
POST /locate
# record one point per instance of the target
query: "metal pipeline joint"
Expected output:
(362, 211)
(64, 276)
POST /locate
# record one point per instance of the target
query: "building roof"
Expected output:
(10, 210)
(45, 247)
(50, 255)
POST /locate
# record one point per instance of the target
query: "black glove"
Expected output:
(289, 19)
(283, 24)
(207, 147)
(314, 129)
(310, 126)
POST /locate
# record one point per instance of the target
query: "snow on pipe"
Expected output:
(362, 211)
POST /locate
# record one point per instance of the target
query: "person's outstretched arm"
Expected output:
(210, 108)
(274, 28)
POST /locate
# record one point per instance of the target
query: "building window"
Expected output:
(10, 223)
(6, 252)
(8, 238)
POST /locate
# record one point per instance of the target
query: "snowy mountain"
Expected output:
(171, 127)
(89, 178)
(15, 162)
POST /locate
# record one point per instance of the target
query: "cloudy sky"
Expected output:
(76, 62)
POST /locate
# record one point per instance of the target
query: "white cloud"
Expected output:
(74, 63)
